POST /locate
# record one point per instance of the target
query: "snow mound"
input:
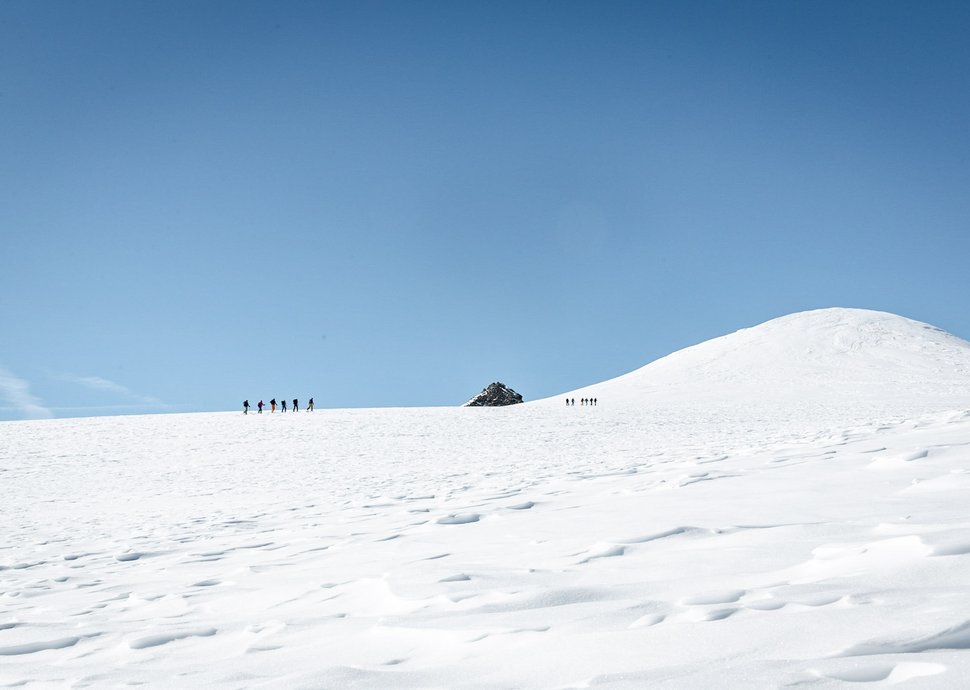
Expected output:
(837, 355)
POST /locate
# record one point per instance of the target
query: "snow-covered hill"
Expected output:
(781, 506)
(830, 366)
(844, 352)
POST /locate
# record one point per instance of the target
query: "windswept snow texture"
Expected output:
(784, 506)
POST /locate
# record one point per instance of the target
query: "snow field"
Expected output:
(841, 558)
(703, 532)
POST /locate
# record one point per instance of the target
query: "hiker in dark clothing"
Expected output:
(245, 407)
(296, 405)
(259, 405)
(283, 405)
(309, 407)
(272, 405)
(594, 400)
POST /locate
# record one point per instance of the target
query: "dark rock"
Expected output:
(495, 395)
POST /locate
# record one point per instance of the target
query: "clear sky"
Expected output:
(383, 204)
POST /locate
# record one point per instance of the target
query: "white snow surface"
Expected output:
(783, 506)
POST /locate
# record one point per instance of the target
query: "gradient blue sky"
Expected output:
(381, 204)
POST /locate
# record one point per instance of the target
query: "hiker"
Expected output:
(272, 406)
(296, 405)
(260, 406)
(283, 405)
(574, 402)
(309, 407)
(245, 407)
(567, 402)
(594, 400)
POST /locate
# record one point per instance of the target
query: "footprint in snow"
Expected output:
(878, 672)
(608, 552)
(720, 614)
(648, 620)
(34, 647)
(699, 616)
(955, 637)
(952, 548)
(460, 577)
(158, 640)
(766, 605)
(916, 455)
(459, 519)
(728, 596)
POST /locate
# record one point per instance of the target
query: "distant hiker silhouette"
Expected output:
(567, 402)
(309, 407)
(260, 406)
(574, 402)
(296, 405)
(595, 401)
(282, 405)
(245, 407)
(272, 405)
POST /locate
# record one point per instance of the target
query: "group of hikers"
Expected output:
(309, 408)
(272, 404)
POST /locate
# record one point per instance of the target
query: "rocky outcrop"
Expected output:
(495, 395)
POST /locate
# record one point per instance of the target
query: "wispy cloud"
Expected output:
(16, 391)
(102, 384)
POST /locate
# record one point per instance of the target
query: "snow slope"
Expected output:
(826, 352)
(828, 367)
(782, 506)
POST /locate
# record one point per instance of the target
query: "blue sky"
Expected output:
(382, 204)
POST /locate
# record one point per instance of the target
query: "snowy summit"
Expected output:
(858, 353)
(781, 506)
